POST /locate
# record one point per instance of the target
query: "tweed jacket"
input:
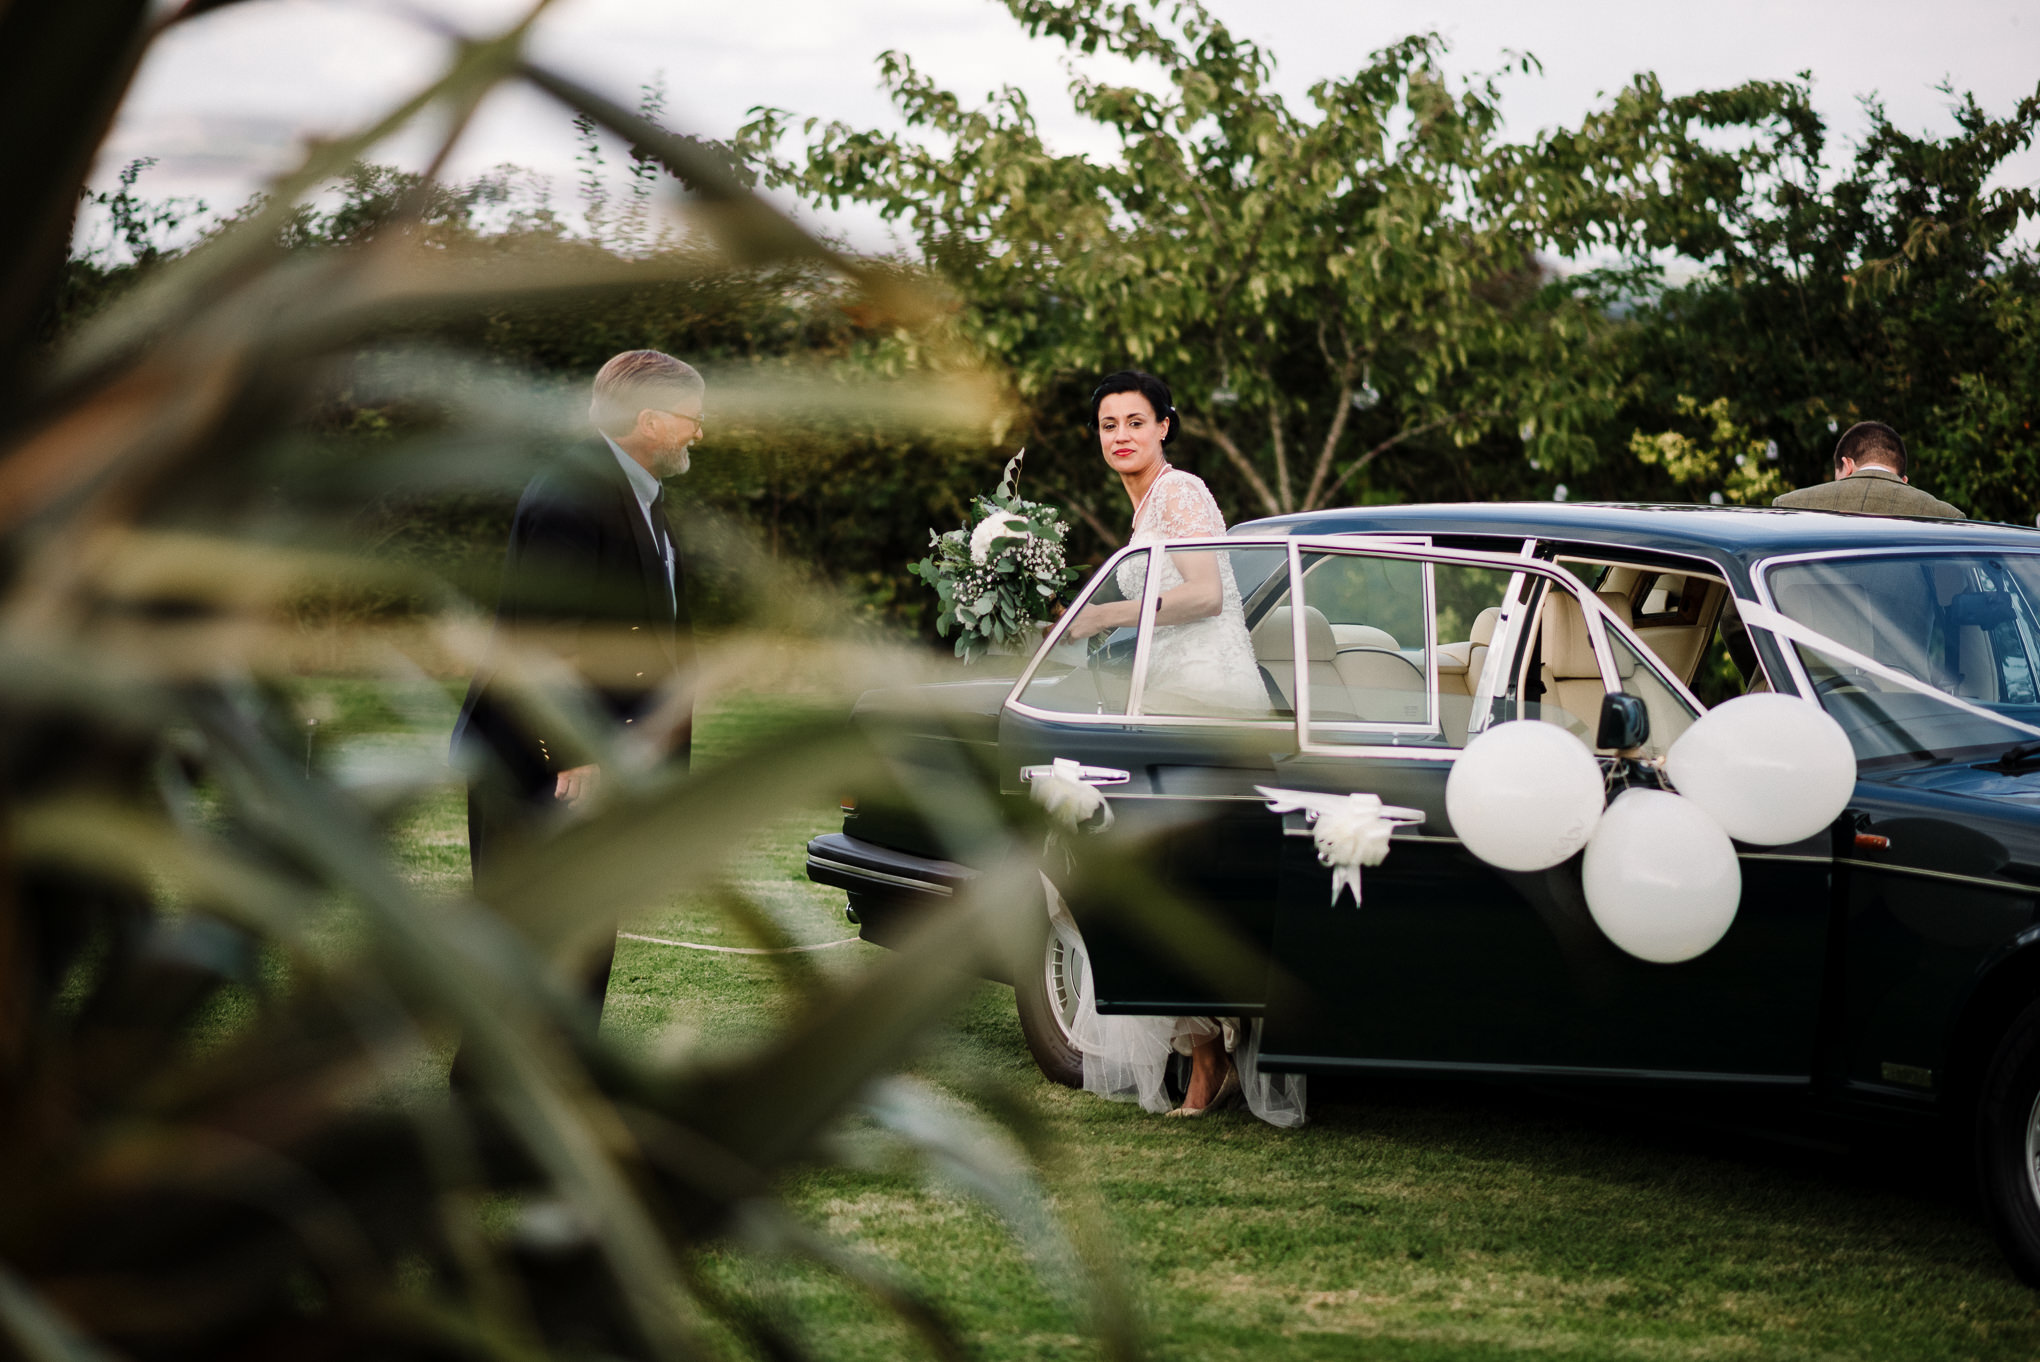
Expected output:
(1868, 491)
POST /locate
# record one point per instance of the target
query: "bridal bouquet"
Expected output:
(1000, 572)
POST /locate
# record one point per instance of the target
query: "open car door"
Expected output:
(1177, 755)
(1451, 964)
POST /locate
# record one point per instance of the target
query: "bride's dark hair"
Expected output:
(1148, 386)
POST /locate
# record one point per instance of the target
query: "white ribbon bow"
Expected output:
(1755, 616)
(1349, 830)
(1069, 800)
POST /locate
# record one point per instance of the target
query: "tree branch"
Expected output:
(1332, 437)
(1339, 416)
(1281, 456)
(1391, 442)
(1205, 430)
(1112, 538)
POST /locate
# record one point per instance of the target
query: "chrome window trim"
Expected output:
(1521, 565)
(1760, 578)
(1144, 628)
(1491, 667)
(1299, 644)
(1431, 728)
(1649, 659)
(1713, 573)
(1381, 751)
(1139, 676)
(1431, 646)
(1106, 572)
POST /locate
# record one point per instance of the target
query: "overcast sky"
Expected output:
(226, 100)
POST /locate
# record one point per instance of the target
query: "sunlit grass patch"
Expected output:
(1404, 1222)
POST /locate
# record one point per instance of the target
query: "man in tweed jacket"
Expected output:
(1869, 479)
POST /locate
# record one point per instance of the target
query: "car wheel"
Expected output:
(1048, 991)
(2008, 1144)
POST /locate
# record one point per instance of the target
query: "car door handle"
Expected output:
(1090, 775)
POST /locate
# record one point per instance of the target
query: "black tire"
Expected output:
(1046, 993)
(2008, 1145)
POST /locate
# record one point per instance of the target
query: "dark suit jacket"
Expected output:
(1868, 491)
(583, 572)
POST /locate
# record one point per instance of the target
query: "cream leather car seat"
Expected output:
(1571, 674)
(1386, 687)
(1275, 649)
(1479, 638)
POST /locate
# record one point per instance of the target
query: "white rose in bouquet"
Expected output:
(1000, 525)
(995, 578)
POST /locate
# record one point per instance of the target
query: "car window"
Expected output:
(1560, 680)
(1201, 661)
(1394, 647)
(1366, 636)
(1093, 675)
(1965, 624)
(1672, 612)
(1670, 715)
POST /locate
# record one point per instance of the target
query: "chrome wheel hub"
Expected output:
(1063, 968)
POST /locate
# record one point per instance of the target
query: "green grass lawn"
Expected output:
(1403, 1222)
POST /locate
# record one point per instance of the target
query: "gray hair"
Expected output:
(636, 380)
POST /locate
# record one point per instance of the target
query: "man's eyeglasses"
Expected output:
(700, 427)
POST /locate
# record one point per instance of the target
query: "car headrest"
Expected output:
(1274, 640)
(1484, 625)
(1365, 636)
(1618, 605)
(1568, 652)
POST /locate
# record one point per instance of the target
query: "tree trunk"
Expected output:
(1206, 430)
(1332, 437)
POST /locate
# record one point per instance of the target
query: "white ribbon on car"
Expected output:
(1349, 830)
(1069, 799)
(1755, 616)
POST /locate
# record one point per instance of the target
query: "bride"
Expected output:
(1200, 649)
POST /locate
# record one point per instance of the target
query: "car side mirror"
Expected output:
(1625, 723)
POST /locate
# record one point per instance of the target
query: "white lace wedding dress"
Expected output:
(1203, 666)
(1206, 666)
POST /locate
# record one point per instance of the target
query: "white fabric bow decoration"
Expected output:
(1069, 799)
(1349, 831)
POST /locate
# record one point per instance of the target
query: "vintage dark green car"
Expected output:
(1890, 964)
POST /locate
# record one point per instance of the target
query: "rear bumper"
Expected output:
(889, 890)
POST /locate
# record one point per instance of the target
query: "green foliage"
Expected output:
(1318, 288)
(226, 991)
(1323, 289)
(1727, 458)
(1899, 290)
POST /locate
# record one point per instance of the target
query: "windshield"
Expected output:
(1963, 623)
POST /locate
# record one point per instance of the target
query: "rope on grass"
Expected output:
(738, 950)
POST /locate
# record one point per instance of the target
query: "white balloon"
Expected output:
(1771, 769)
(1661, 877)
(1524, 795)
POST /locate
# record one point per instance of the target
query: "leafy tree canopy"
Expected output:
(1323, 287)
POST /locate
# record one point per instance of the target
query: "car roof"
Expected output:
(1747, 533)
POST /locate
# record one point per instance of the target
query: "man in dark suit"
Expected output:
(593, 578)
(1869, 479)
